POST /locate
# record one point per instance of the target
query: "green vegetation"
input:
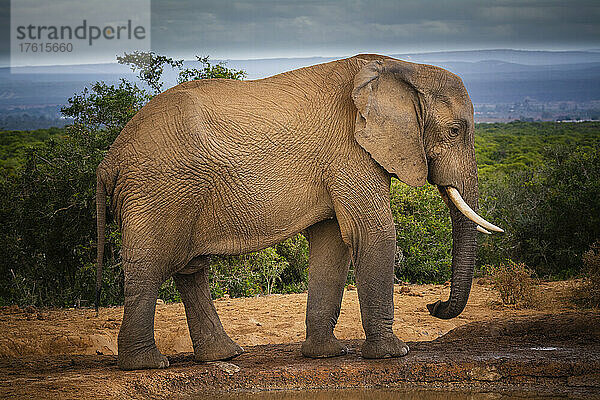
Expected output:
(539, 181)
(550, 211)
(14, 145)
(423, 234)
(502, 148)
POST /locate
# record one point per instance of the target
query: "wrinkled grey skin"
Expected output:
(228, 167)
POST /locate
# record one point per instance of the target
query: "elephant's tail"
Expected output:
(101, 226)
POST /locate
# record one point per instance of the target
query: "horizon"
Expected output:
(337, 56)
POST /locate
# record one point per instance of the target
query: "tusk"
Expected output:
(468, 211)
(482, 230)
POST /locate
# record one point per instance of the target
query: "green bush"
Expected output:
(423, 234)
(551, 213)
(294, 277)
(14, 145)
(278, 269)
(48, 207)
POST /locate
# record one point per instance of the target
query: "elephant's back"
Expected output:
(202, 131)
(194, 112)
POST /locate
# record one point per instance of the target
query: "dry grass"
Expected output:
(587, 292)
(515, 283)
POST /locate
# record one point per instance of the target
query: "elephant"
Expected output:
(226, 167)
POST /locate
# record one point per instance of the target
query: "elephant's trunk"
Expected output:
(464, 247)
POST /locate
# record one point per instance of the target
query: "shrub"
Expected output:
(587, 294)
(515, 283)
(550, 213)
(278, 269)
(423, 234)
(294, 277)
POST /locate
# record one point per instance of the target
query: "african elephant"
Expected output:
(223, 167)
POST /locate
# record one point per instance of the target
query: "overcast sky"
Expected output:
(272, 28)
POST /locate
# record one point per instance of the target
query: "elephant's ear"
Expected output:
(388, 121)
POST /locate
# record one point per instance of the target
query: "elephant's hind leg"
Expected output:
(328, 269)
(210, 341)
(137, 349)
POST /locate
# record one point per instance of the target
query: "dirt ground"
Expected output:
(41, 346)
(250, 321)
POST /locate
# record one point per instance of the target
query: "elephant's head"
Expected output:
(416, 121)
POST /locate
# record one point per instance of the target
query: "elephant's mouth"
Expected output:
(483, 226)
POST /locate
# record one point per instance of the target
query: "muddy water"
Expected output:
(379, 394)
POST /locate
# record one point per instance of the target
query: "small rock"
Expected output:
(110, 325)
(404, 290)
(14, 309)
(484, 281)
(487, 373)
(351, 287)
(226, 367)
(255, 322)
(160, 301)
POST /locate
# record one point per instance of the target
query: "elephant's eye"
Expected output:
(454, 131)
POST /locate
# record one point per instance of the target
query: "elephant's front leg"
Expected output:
(369, 230)
(329, 258)
(210, 341)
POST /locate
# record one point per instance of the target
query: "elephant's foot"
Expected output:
(387, 347)
(315, 347)
(215, 348)
(148, 358)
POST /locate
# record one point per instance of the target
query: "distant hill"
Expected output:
(502, 82)
(491, 76)
(527, 57)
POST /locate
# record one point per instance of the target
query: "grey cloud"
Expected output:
(269, 28)
(311, 27)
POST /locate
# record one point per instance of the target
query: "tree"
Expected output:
(551, 212)
(209, 71)
(150, 67)
(48, 207)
